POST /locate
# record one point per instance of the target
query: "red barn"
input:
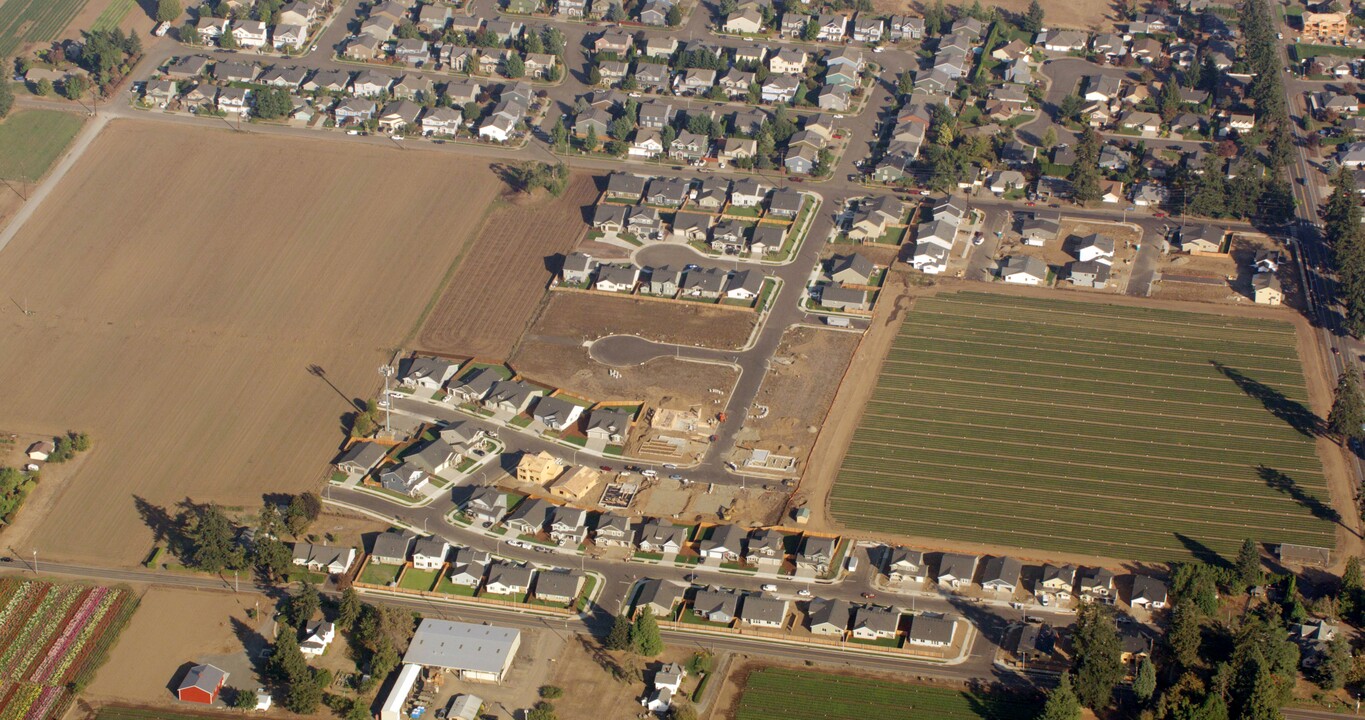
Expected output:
(201, 684)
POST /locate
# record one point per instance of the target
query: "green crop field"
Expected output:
(1125, 432)
(31, 140)
(782, 694)
(112, 16)
(25, 21)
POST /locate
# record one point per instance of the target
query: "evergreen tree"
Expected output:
(304, 604)
(1255, 697)
(514, 67)
(644, 635)
(935, 17)
(1098, 662)
(1350, 596)
(1144, 684)
(212, 539)
(271, 558)
(1333, 669)
(286, 665)
(1032, 22)
(1170, 99)
(244, 699)
(1062, 703)
(559, 135)
(1184, 635)
(1248, 567)
(304, 696)
(590, 142)
(674, 16)
(619, 637)
(348, 609)
(1050, 137)
(1348, 407)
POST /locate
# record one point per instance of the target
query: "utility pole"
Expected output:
(387, 371)
(35, 561)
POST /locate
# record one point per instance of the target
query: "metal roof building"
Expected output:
(474, 652)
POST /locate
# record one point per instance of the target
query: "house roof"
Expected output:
(829, 612)
(838, 294)
(392, 544)
(609, 418)
(1148, 588)
(559, 583)
(658, 592)
(1023, 265)
(854, 262)
(1094, 268)
(431, 547)
(758, 608)
(709, 601)
(957, 565)
(625, 184)
(724, 537)
(532, 511)
(502, 573)
(462, 646)
(1102, 243)
(607, 521)
(1001, 569)
(363, 454)
(572, 517)
(876, 619)
(925, 628)
(435, 453)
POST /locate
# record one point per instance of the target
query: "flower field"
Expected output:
(783, 694)
(52, 637)
(1126, 432)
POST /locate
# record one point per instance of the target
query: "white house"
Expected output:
(249, 33)
(320, 634)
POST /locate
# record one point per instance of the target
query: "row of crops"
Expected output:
(785, 694)
(1126, 432)
(25, 21)
(52, 637)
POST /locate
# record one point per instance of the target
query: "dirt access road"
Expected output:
(184, 284)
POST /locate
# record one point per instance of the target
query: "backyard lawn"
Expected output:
(423, 580)
(377, 574)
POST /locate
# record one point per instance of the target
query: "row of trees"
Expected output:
(640, 636)
(1341, 224)
(206, 539)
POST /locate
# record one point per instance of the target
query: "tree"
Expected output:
(273, 103)
(1347, 417)
(620, 128)
(1349, 597)
(304, 696)
(905, 83)
(1032, 22)
(304, 604)
(553, 40)
(1050, 137)
(644, 635)
(514, 67)
(674, 16)
(1062, 703)
(168, 10)
(542, 711)
(1098, 662)
(189, 34)
(682, 710)
(619, 637)
(74, 87)
(811, 30)
(44, 87)
(559, 135)
(1069, 107)
(935, 16)
(1170, 99)
(244, 699)
(6, 99)
(615, 13)
(551, 692)
(304, 508)
(1184, 635)
(1248, 566)
(227, 41)
(590, 142)
(348, 609)
(1144, 685)
(271, 558)
(286, 665)
(212, 540)
(1333, 669)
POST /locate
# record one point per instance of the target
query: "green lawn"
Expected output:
(376, 574)
(449, 588)
(31, 140)
(1125, 432)
(784, 694)
(422, 580)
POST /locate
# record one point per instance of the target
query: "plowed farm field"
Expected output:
(1119, 431)
(497, 287)
(206, 305)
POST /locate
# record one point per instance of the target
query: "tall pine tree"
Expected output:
(1348, 407)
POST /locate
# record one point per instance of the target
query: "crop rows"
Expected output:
(782, 694)
(24, 21)
(1126, 432)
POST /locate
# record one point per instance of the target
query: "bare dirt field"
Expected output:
(1088, 14)
(1238, 264)
(665, 382)
(584, 316)
(1060, 252)
(147, 658)
(500, 283)
(800, 384)
(209, 325)
(590, 690)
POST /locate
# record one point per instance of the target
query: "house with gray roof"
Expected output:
(391, 548)
(956, 570)
(828, 617)
(530, 517)
(929, 631)
(1001, 574)
(511, 396)
(718, 606)
(875, 623)
(761, 611)
(660, 596)
(558, 586)
(507, 579)
(361, 458)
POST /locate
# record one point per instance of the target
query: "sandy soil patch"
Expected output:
(500, 283)
(802, 378)
(182, 314)
(590, 690)
(666, 382)
(1235, 270)
(1091, 14)
(173, 627)
(583, 316)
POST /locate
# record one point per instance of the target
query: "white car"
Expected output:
(803, 592)
(768, 587)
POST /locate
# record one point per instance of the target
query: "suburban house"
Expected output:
(406, 479)
(467, 567)
(1096, 247)
(529, 518)
(747, 193)
(787, 61)
(766, 549)
(249, 33)
(486, 505)
(761, 611)
(391, 548)
(568, 525)
(875, 623)
(558, 586)
(816, 554)
(706, 283)
(716, 606)
(929, 631)
(659, 596)
(1023, 270)
(426, 373)
(905, 565)
(726, 544)
(359, 459)
(1148, 592)
(556, 413)
(318, 635)
(661, 536)
(538, 469)
(609, 425)
(851, 269)
(875, 216)
(955, 571)
(475, 386)
(828, 617)
(333, 559)
(1266, 289)
(441, 121)
(1202, 238)
(1097, 585)
(511, 396)
(1056, 581)
(1001, 574)
(613, 531)
(1090, 273)
(429, 553)
(507, 579)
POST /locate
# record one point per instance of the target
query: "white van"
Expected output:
(852, 564)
